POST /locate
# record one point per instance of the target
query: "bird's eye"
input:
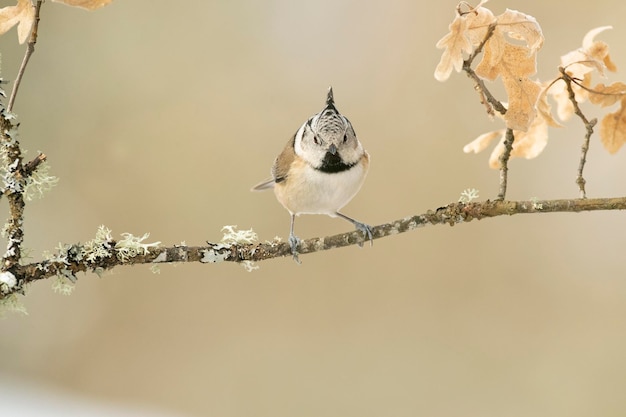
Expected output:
(316, 140)
(345, 138)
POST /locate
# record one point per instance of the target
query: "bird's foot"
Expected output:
(367, 232)
(294, 242)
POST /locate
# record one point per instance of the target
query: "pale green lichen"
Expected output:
(536, 204)
(12, 303)
(63, 253)
(39, 182)
(155, 269)
(63, 285)
(249, 266)
(100, 247)
(234, 236)
(68, 274)
(468, 195)
(131, 246)
(27, 254)
(103, 246)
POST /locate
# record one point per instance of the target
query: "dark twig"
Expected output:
(32, 166)
(509, 138)
(30, 49)
(486, 98)
(589, 125)
(452, 214)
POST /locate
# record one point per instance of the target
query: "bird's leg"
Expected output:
(294, 241)
(367, 230)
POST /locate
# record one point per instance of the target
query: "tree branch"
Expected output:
(69, 264)
(13, 189)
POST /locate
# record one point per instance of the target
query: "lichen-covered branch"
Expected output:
(13, 188)
(104, 253)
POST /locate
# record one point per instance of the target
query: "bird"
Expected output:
(320, 170)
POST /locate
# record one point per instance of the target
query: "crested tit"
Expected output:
(319, 171)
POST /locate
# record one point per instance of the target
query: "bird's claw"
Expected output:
(294, 242)
(367, 232)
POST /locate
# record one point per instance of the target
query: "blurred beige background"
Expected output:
(159, 116)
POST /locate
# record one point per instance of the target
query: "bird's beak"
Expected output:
(332, 149)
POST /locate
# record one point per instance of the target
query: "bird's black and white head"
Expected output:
(327, 140)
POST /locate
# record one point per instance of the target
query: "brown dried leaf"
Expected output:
(527, 144)
(613, 129)
(481, 142)
(607, 95)
(523, 94)
(85, 4)
(592, 55)
(516, 63)
(455, 43)
(531, 143)
(544, 108)
(478, 22)
(521, 26)
(466, 31)
(610, 65)
(489, 66)
(22, 15)
(511, 25)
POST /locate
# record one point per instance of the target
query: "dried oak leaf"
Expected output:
(85, 4)
(544, 108)
(515, 64)
(22, 15)
(466, 31)
(579, 64)
(593, 55)
(607, 95)
(613, 128)
(520, 26)
(527, 144)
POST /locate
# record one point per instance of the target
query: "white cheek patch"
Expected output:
(298, 142)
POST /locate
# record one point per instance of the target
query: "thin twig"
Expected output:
(491, 103)
(30, 49)
(509, 138)
(589, 125)
(486, 98)
(456, 213)
(32, 166)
